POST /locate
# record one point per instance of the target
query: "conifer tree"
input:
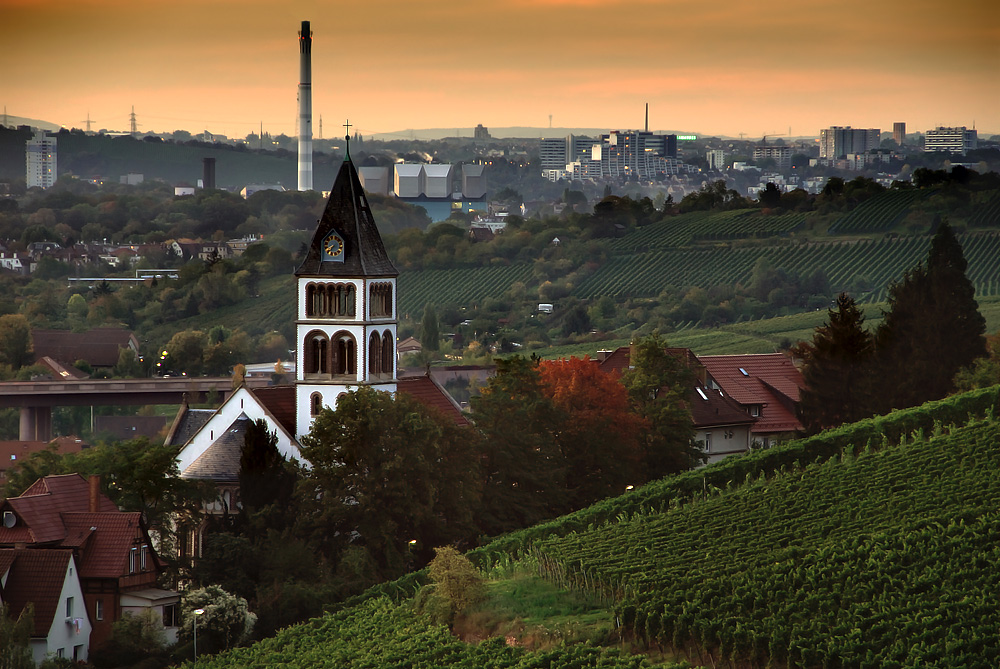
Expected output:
(837, 370)
(932, 330)
(429, 329)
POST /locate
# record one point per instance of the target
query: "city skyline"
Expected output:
(726, 69)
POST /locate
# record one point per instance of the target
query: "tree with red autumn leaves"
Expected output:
(597, 434)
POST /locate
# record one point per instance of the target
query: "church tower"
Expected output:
(346, 316)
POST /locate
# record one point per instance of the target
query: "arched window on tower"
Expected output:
(388, 353)
(380, 300)
(317, 354)
(374, 355)
(315, 404)
(345, 355)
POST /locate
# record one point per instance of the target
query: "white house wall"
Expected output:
(721, 445)
(62, 634)
(239, 402)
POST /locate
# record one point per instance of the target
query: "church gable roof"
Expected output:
(348, 214)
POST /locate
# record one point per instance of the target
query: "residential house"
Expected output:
(766, 385)
(118, 566)
(49, 580)
(722, 426)
(100, 346)
(12, 453)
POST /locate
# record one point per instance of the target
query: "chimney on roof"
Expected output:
(95, 493)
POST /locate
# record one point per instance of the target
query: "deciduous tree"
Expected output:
(597, 434)
(658, 384)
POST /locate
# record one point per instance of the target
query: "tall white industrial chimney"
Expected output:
(305, 108)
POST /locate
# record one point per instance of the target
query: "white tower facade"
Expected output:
(346, 318)
(42, 161)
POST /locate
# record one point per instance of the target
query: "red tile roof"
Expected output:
(37, 577)
(711, 408)
(280, 402)
(770, 380)
(39, 509)
(105, 540)
(426, 391)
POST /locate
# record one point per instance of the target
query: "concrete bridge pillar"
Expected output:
(36, 424)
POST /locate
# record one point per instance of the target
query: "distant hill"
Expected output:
(523, 132)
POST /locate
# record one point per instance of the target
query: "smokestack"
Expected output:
(208, 173)
(305, 108)
(93, 500)
(647, 117)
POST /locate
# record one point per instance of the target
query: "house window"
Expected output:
(755, 410)
(144, 557)
(61, 652)
(77, 652)
(99, 609)
(170, 615)
(708, 442)
(69, 607)
(131, 559)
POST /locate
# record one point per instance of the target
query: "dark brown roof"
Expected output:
(37, 577)
(100, 346)
(186, 424)
(347, 213)
(280, 403)
(426, 391)
(712, 408)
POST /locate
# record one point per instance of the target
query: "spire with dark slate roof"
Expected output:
(347, 213)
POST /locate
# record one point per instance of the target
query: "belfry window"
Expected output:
(380, 300)
(346, 355)
(330, 300)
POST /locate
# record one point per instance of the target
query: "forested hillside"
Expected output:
(873, 545)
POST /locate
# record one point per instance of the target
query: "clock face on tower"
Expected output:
(333, 247)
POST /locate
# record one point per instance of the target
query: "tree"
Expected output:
(429, 337)
(15, 340)
(838, 372)
(226, 620)
(186, 352)
(15, 638)
(932, 330)
(597, 435)
(523, 467)
(266, 481)
(385, 471)
(769, 196)
(658, 384)
(457, 586)
(128, 365)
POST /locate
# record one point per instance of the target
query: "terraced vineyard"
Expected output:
(879, 213)
(887, 559)
(987, 209)
(880, 261)
(466, 285)
(706, 226)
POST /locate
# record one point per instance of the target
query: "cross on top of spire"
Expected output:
(347, 138)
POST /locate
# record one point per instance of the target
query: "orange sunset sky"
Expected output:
(724, 67)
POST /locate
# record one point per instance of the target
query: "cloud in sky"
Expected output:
(723, 67)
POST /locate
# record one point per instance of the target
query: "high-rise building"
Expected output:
(41, 157)
(552, 153)
(716, 159)
(955, 140)
(899, 133)
(837, 141)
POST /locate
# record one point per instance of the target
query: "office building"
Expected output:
(552, 153)
(899, 133)
(41, 157)
(838, 141)
(782, 155)
(716, 159)
(956, 140)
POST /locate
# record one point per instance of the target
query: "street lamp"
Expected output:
(196, 612)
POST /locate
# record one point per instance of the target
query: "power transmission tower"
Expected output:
(88, 122)
(131, 116)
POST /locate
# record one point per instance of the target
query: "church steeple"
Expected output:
(349, 217)
(346, 324)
